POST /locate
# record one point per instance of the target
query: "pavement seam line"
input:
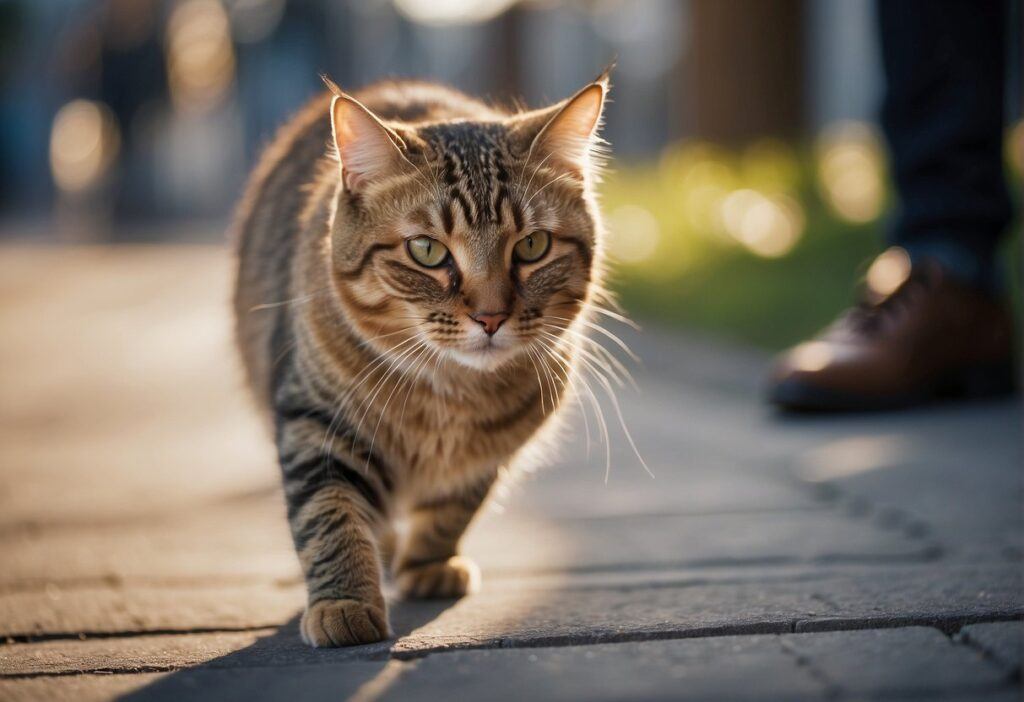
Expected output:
(22, 639)
(962, 638)
(410, 655)
(831, 690)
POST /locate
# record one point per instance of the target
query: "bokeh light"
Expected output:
(452, 11)
(851, 171)
(811, 356)
(84, 142)
(888, 272)
(769, 226)
(705, 177)
(633, 234)
(1015, 147)
(200, 55)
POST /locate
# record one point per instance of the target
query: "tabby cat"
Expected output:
(415, 271)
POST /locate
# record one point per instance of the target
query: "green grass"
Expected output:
(699, 276)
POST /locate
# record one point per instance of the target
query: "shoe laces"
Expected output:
(873, 313)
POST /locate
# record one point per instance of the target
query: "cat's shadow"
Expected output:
(281, 667)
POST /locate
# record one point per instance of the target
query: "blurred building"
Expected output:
(141, 111)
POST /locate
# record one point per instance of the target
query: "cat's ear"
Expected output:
(567, 132)
(367, 149)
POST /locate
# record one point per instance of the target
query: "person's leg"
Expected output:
(943, 116)
(941, 331)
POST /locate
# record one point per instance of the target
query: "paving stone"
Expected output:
(110, 609)
(123, 654)
(74, 688)
(151, 416)
(725, 668)
(317, 682)
(504, 544)
(948, 595)
(559, 609)
(927, 465)
(278, 646)
(914, 661)
(1002, 642)
(559, 617)
(227, 542)
(155, 509)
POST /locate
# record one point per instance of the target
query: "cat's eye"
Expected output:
(427, 252)
(533, 246)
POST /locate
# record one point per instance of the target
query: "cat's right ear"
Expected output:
(367, 149)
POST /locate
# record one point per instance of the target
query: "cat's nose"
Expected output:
(490, 321)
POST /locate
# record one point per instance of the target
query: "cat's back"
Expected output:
(287, 194)
(416, 102)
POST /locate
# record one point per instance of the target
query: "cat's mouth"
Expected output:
(484, 354)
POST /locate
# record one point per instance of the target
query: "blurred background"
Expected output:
(747, 193)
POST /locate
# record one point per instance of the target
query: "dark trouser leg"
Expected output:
(943, 115)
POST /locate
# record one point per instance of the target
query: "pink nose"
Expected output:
(490, 321)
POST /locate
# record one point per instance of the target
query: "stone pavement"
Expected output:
(145, 556)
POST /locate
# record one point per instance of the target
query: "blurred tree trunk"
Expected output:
(746, 77)
(508, 76)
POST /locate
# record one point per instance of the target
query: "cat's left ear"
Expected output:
(568, 131)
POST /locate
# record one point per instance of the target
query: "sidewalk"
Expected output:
(145, 552)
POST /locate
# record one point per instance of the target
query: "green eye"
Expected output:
(533, 246)
(427, 252)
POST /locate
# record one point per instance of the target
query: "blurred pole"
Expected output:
(509, 77)
(746, 73)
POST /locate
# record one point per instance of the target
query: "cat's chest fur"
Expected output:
(439, 433)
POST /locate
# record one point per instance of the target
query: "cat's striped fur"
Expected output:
(387, 399)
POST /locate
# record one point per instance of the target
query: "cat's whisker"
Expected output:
(415, 378)
(593, 306)
(601, 330)
(595, 405)
(588, 362)
(302, 299)
(540, 385)
(422, 350)
(564, 363)
(361, 378)
(535, 170)
(552, 389)
(605, 358)
(610, 392)
(375, 390)
(366, 342)
(556, 179)
(608, 368)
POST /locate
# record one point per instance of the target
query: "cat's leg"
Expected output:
(429, 564)
(336, 514)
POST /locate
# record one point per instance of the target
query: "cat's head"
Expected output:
(471, 240)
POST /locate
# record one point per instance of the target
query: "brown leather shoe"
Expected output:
(931, 337)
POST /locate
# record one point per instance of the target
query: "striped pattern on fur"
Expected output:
(388, 401)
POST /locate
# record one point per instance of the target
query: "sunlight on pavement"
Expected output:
(126, 354)
(851, 456)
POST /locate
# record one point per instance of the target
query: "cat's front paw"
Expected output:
(454, 577)
(343, 623)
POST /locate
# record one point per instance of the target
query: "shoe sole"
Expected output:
(975, 382)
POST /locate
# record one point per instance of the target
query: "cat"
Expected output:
(415, 273)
